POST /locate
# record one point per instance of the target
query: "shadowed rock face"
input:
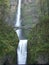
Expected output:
(29, 12)
(30, 16)
(42, 59)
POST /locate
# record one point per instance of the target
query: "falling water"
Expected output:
(22, 46)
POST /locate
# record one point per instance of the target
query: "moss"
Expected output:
(39, 41)
(8, 41)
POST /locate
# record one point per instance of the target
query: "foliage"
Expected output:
(8, 40)
(39, 41)
(8, 37)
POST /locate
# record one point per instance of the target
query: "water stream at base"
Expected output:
(22, 46)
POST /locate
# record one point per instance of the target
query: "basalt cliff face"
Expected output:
(28, 9)
(29, 13)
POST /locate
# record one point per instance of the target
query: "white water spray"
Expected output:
(22, 46)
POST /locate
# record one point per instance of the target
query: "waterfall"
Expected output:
(22, 45)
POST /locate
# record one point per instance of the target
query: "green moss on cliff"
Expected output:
(38, 44)
(8, 43)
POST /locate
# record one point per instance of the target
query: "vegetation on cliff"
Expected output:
(8, 37)
(8, 42)
(38, 44)
(38, 36)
